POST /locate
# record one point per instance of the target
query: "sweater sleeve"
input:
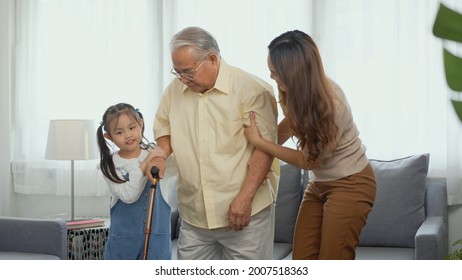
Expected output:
(130, 191)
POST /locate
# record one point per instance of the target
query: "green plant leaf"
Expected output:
(457, 242)
(457, 107)
(448, 24)
(453, 70)
(457, 254)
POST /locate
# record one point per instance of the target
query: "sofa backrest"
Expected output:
(405, 197)
(399, 207)
(436, 198)
(34, 235)
(402, 202)
(290, 193)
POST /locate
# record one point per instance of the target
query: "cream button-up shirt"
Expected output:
(211, 150)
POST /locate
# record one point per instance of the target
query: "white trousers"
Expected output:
(254, 242)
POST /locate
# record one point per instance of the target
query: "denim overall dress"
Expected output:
(128, 224)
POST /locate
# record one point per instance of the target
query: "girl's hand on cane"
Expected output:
(156, 152)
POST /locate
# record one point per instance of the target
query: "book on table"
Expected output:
(84, 223)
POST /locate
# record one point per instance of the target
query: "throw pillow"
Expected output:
(399, 209)
(290, 192)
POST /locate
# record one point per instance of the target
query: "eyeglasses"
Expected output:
(190, 75)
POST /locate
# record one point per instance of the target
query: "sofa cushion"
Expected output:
(398, 210)
(6, 255)
(287, 202)
(281, 250)
(384, 253)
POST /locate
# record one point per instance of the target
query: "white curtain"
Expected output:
(77, 57)
(384, 55)
(74, 59)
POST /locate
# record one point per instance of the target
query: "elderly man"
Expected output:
(226, 188)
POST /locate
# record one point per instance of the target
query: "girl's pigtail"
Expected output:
(106, 161)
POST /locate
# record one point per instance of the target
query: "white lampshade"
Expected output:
(71, 140)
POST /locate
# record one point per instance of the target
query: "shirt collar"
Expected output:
(222, 82)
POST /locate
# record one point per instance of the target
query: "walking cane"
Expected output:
(152, 196)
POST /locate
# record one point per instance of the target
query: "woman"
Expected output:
(342, 184)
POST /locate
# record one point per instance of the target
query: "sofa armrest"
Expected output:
(33, 235)
(430, 241)
(436, 199)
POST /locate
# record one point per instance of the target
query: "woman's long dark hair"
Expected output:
(308, 99)
(106, 161)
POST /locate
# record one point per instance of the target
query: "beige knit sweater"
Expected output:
(350, 156)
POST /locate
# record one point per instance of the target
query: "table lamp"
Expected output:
(71, 140)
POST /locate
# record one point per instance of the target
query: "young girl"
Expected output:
(124, 172)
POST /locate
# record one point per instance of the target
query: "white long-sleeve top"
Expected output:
(130, 191)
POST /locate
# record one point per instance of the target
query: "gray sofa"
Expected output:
(32, 239)
(408, 221)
